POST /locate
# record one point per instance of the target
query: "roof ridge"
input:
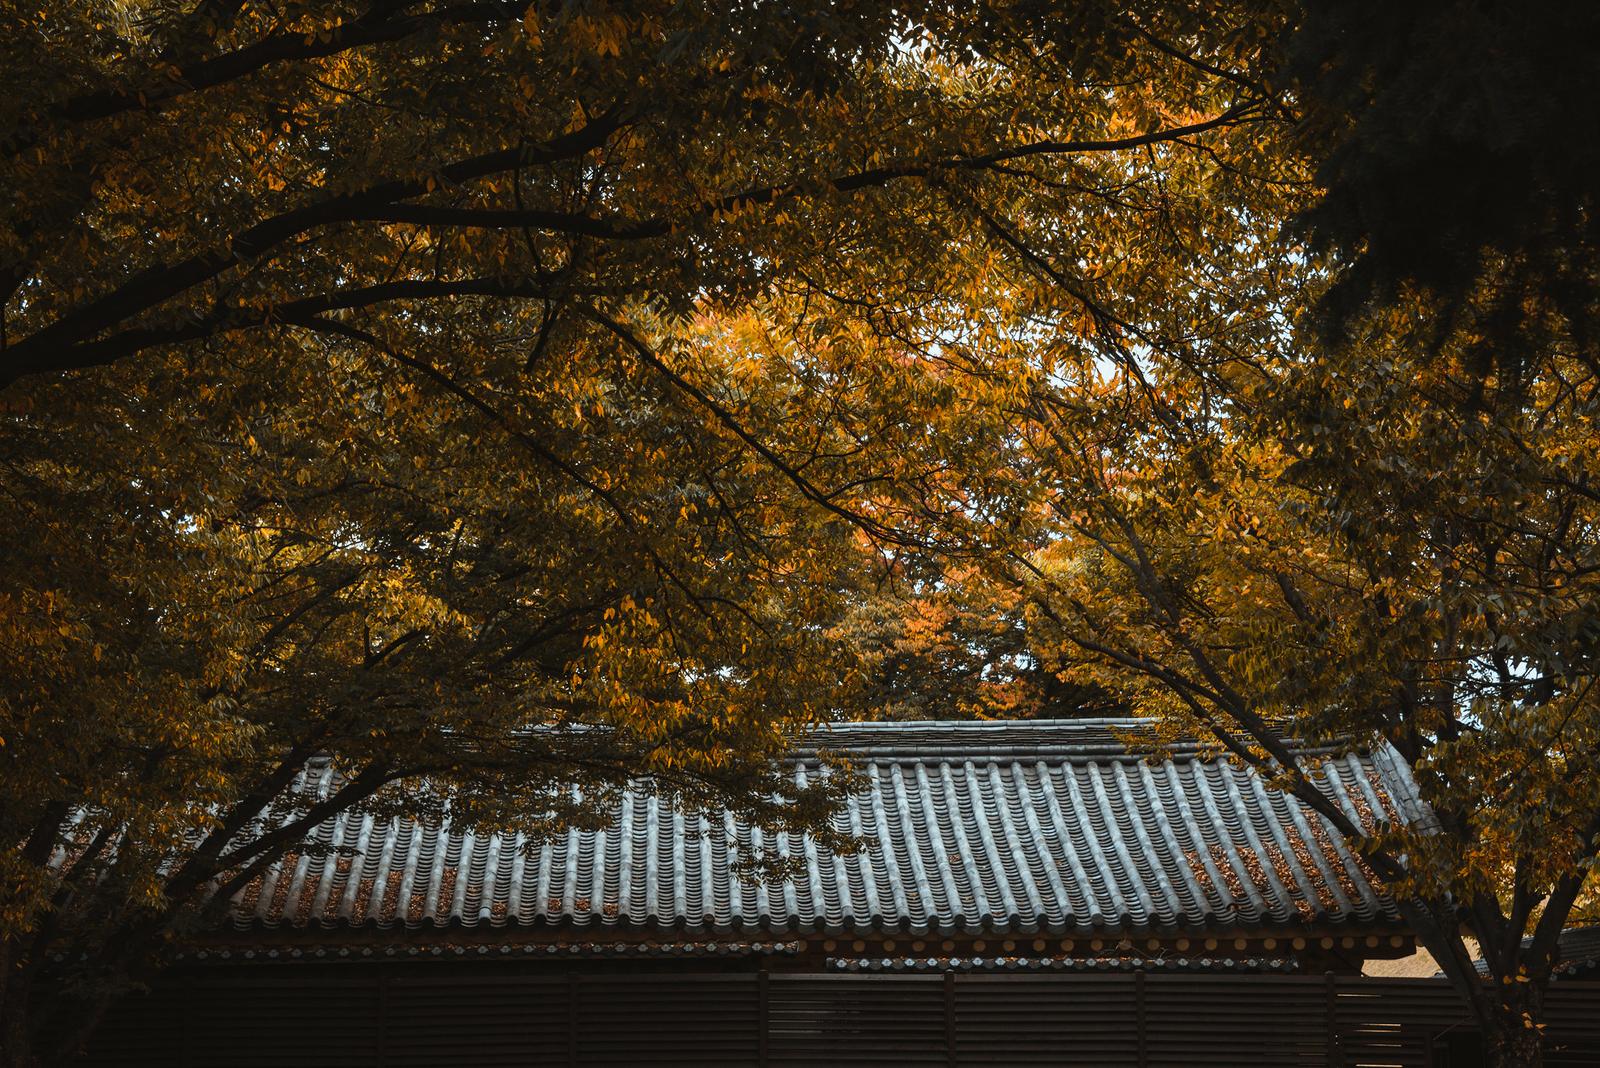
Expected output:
(991, 724)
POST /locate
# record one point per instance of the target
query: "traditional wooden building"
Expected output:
(1031, 894)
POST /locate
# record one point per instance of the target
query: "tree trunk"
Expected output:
(16, 1032)
(1519, 1048)
(1508, 1006)
(1510, 1039)
(41, 1031)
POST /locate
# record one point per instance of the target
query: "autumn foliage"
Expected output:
(507, 400)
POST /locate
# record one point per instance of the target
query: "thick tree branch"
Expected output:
(49, 348)
(66, 343)
(380, 25)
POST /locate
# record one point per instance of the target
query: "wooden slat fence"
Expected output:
(309, 1016)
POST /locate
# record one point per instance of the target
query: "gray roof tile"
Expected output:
(1022, 826)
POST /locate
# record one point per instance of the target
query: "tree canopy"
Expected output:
(505, 400)
(1441, 137)
(1302, 549)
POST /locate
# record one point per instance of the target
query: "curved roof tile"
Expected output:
(1048, 827)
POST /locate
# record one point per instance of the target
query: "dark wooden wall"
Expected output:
(307, 1015)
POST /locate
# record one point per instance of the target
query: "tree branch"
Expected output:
(375, 27)
(49, 349)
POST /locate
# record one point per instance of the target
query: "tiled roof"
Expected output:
(1022, 827)
(1577, 953)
